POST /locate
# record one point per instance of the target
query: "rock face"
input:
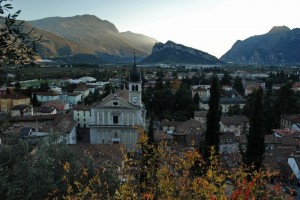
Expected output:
(279, 46)
(89, 35)
(172, 53)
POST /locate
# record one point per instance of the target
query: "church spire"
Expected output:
(134, 63)
(134, 75)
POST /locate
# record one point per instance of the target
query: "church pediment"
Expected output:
(115, 102)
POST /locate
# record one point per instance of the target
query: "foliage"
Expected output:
(34, 172)
(172, 178)
(17, 45)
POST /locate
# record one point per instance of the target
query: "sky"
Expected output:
(212, 26)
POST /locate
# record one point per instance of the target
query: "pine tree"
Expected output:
(256, 136)
(196, 99)
(34, 100)
(212, 136)
(238, 86)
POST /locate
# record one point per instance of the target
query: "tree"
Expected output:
(34, 100)
(234, 110)
(196, 99)
(17, 86)
(256, 136)
(286, 100)
(238, 85)
(225, 80)
(212, 135)
(17, 45)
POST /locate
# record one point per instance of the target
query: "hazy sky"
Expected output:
(208, 25)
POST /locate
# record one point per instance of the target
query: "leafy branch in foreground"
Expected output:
(17, 41)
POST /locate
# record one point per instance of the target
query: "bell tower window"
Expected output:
(136, 88)
(132, 88)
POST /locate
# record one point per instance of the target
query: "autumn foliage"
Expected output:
(168, 174)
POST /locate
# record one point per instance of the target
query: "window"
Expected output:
(132, 88)
(115, 103)
(78, 114)
(115, 119)
(78, 119)
(136, 88)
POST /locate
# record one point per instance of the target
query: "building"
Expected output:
(21, 110)
(287, 121)
(115, 118)
(8, 101)
(35, 128)
(169, 126)
(47, 96)
(45, 110)
(237, 124)
(200, 116)
(73, 98)
(82, 114)
(226, 103)
(60, 105)
(189, 133)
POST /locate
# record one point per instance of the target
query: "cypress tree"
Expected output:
(212, 135)
(256, 136)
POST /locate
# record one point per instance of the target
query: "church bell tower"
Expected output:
(135, 85)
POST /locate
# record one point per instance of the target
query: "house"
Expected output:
(45, 110)
(238, 124)
(8, 101)
(82, 114)
(169, 126)
(288, 120)
(296, 86)
(200, 116)
(225, 102)
(47, 96)
(60, 105)
(271, 142)
(82, 90)
(202, 90)
(189, 133)
(21, 110)
(228, 142)
(40, 127)
(115, 119)
(74, 98)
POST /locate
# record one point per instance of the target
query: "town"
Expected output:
(172, 100)
(99, 116)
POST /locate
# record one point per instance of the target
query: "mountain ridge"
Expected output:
(173, 53)
(100, 36)
(280, 45)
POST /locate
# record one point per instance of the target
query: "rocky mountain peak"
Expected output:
(276, 29)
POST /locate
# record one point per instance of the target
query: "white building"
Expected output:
(115, 118)
(82, 114)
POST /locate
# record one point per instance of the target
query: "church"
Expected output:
(114, 119)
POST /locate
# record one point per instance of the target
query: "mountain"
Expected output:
(91, 35)
(280, 45)
(170, 53)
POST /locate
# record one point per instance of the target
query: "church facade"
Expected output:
(114, 119)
